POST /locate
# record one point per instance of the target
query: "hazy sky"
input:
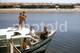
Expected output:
(53, 1)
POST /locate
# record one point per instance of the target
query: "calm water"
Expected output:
(63, 42)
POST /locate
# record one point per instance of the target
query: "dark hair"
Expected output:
(20, 13)
(32, 27)
(45, 28)
(23, 11)
(24, 39)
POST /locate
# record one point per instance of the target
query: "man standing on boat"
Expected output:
(22, 20)
(24, 16)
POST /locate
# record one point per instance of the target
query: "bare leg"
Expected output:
(24, 24)
(21, 26)
(18, 28)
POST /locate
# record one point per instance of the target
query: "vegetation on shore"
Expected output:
(38, 5)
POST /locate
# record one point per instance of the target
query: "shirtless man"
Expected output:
(21, 20)
(34, 35)
(24, 16)
(45, 33)
(25, 44)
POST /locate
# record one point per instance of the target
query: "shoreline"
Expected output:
(15, 10)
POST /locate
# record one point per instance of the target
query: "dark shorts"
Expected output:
(20, 22)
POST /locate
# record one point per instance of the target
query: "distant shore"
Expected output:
(15, 10)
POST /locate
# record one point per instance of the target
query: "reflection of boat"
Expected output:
(18, 35)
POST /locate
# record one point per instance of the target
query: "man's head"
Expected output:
(45, 28)
(32, 27)
(23, 12)
(20, 13)
(24, 39)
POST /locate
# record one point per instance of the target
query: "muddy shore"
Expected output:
(14, 10)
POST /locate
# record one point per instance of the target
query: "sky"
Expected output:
(50, 1)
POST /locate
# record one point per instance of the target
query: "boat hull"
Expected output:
(39, 47)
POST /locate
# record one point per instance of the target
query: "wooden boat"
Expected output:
(7, 34)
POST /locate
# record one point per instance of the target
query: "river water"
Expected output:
(67, 37)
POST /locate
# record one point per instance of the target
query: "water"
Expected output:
(63, 42)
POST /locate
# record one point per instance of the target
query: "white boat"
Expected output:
(17, 35)
(7, 34)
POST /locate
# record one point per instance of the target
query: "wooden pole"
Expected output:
(8, 49)
(21, 43)
(11, 48)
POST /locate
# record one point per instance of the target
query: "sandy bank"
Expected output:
(14, 10)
